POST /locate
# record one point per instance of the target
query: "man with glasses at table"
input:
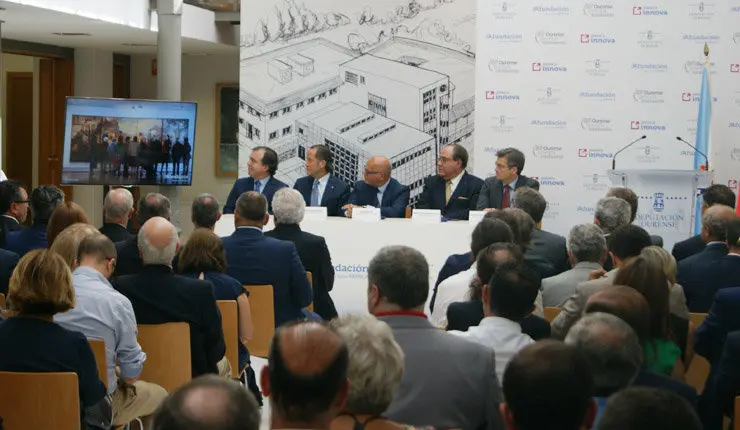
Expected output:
(379, 190)
(499, 191)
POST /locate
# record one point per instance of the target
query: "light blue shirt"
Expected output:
(262, 183)
(512, 191)
(381, 191)
(322, 186)
(103, 313)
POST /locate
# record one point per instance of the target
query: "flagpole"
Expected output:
(707, 65)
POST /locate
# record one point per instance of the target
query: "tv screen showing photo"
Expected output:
(128, 142)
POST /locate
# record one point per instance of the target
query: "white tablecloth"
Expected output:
(353, 243)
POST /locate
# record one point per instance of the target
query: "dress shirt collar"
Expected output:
(512, 185)
(263, 181)
(92, 274)
(715, 242)
(382, 188)
(244, 227)
(587, 265)
(401, 314)
(323, 180)
(11, 217)
(498, 323)
(734, 254)
(456, 180)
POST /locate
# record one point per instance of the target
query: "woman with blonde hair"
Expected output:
(68, 241)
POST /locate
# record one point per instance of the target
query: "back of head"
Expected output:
(612, 213)
(494, 256)
(41, 285)
(549, 385)
(643, 408)
(510, 220)
(209, 403)
(586, 243)
(612, 349)
(525, 224)
(68, 241)
(487, 232)
(10, 192)
(628, 196)
(401, 275)
(118, 204)
(625, 303)
(512, 291)
(288, 206)
(658, 255)
(648, 278)
(719, 194)
(251, 207)
(44, 199)
(66, 214)
(532, 202)
(628, 241)
(375, 363)
(733, 234)
(714, 222)
(96, 246)
(205, 211)
(154, 205)
(158, 242)
(204, 252)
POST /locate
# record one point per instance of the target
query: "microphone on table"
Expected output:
(706, 160)
(614, 158)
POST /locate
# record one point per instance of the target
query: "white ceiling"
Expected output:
(32, 24)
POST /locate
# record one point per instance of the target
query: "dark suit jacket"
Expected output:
(454, 264)
(551, 247)
(10, 224)
(254, 259)
(242, 185)
(159, 296)
(395, 198)
(8, 261)
(27, 239)
(314, 255)
(115, 232)
(493, 191)
(648, 378)
(129, 260)
(727, 379)
(699, 284)
(656, 240)
(462, 200)
(687, 248)
(335, 194)
(463, 315)
(723, 318)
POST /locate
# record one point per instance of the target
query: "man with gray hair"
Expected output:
(205, 212)
(587, 252)
(288, 208)
(613, 350)
(150, 206)
(398, 287)
(118, 207)
(611, 213)
(160, 296)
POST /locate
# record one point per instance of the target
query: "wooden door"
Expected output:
(19, 127)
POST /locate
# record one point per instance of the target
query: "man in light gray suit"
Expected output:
(587, 251)
(448, 382)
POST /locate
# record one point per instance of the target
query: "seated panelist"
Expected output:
(379, 190)
(261, 168)
(499, 192)
(321, 187)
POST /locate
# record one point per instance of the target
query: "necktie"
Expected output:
(315, 194)
(448, 191)
(380, 200)
(257, 186)
(506, 200)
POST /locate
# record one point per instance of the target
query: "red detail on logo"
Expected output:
(734, 68)
(585, 38)
(686, 97)
(732, 183)
(536, 67)
(635, 125)
(582, 152)
(636, 10)
(490, 95)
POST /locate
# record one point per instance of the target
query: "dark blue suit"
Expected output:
(28, 239)
(242, 185)
(8, 261)
(727, 380)
(255, 259)
(462, 200)
(395, 198)
(695, 277)
(335, 195)
(687, 248)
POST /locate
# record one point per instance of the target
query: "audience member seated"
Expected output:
(630, 197)
(699, 275)
(727, 379)
(374, 374)
(452, 190)
(306, 376)
(129, 259)
(379, 190)
(462, 315)
(68, 242)
(507, 299)
(8, 261)
(613, 350)
(625, 243)
(261, 169)
(118, 208)
(288, 210)
(255, 259)
(438, 366)
(321, 187)
(454, 288)
(525, 227)
(640, 408)
(66, 214)
(40, 288)
(716, 194)
(630, 306)
(205, 212)
(208, 402)
(660, 257)
(549, 246)
(44, 200)
(14, 204)
(611, 213)
(549, 385)
(101, 312)
(160, 296)
(587, 252)
(501, 191)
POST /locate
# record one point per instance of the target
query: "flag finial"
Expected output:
(706, 49)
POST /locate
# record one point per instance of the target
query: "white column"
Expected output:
(169, 74)
(93, 78)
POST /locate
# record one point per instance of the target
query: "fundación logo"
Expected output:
(500, 65)
(646, 125)
(546, 38)
(548, 67)
(505, 37)
(598, 96)
(650, 67)
(501, 96)
(549, 96)
(504, 11)
(550, 124)
(551, 10)
(648, 96)
(649, 11)
(598, 67)
(650, 39)
(547, 152)
(597, 39)
(702, 11)
(597, 125)
(701, 38)
(599, 9)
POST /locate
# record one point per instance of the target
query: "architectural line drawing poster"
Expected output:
(380, 77)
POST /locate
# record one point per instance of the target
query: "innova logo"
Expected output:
(548, 67)
(500, 65)
(550, 37)
(732, 184)
(598, 96)
(597, 124)
(649, 11)
(599, 9)
(650, 39)
(598, 67)
(504, 11)
(505, 37)
(702, 11)
(701, 38)
(502, 96)
(594, 154)
(648, 96)
(734, 67)
(551, 181)
(646, 125)
(689, 97)
(650, 67)
(597, 39)
(552, 10)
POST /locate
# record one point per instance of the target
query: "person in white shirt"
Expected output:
(507, 299)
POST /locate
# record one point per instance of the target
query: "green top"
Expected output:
(668, 353)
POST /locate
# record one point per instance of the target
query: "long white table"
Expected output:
(353, 243)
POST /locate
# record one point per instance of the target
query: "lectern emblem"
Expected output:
(658, 202)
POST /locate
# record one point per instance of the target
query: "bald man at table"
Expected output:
(379, 190)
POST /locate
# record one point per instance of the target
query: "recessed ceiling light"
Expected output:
(139, 45)
(72, 34)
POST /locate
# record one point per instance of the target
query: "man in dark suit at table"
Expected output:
(379, 190)
(129, 260)
(499, 192)
(261, 169)
(452, 190)
(321, 187)
(118, 207)
(716, 194)
(255, 259)
(549, 246)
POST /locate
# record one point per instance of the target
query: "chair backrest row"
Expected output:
(39, 401)
(230, 325)
(262, 304)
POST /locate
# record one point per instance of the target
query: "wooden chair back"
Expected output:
(98, 348)
(2, 301)
(167, 348)
(310, 282)
(39, 401)
(697, 368)
(551, 313)
(230, 325)
(262, 302)
(736, 418)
